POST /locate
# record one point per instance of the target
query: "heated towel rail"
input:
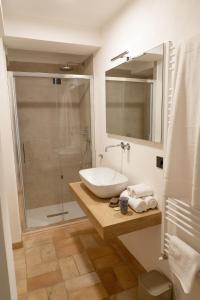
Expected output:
(179, 218)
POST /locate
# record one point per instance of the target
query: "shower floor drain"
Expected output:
(58, 214)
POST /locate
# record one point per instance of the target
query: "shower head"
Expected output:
(70, 66)
(67, 67)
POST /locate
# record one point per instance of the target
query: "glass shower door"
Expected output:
(55, 141)
(74, 137)
(38, 130)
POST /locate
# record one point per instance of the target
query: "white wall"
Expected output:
(40, 35)
(7, 272)
(1, 21)
(7, 153)
(141, 26)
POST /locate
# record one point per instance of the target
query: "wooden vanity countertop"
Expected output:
(107, 221)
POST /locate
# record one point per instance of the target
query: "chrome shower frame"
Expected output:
(15, 129)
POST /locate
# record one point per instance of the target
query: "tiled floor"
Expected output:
(74, 263)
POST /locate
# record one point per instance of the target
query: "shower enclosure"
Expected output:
(53, 141)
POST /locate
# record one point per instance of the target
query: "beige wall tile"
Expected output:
(81, 282)
(68, 268)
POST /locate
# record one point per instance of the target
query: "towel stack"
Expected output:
(140, 197)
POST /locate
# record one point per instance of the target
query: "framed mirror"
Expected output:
(134, 97)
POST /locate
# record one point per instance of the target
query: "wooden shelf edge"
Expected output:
(108, 231)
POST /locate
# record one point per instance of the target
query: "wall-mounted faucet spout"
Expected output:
(122, 145)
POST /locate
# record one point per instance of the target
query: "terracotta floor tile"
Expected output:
(109, 281)
(38, 295)
(137, 267)
(20, 272)
(83, 263)
(44, 280)
(19, 258)
(41, 254)
(60, 264)
(36, 240)
(39, 269)
(125, 277)
(106, 261)
(98, 252)
(60, 235)
(68, 268)
(99, 240)
(81, 282)
(19, 254)
(33, 256)
(48, 252)
(88, 241)
(86, 227)
(68, 247)
(21, 286)
(57, 292)
(130, 294)
(23, 297)
(95, 292)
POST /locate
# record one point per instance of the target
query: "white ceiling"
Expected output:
(85, 13)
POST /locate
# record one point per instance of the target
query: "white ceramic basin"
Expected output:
(104, 182)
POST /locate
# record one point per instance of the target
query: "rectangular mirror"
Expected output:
(134, 97)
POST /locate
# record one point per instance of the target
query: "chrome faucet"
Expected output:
(122, 145)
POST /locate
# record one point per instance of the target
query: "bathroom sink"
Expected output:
(104, 182)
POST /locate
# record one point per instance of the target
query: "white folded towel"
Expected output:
(137, 204)
(184, 262)
(139, 190)
(151, 202)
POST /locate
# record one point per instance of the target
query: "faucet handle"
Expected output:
(122, 145)
(125, 146)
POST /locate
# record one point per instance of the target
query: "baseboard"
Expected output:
(17, 245)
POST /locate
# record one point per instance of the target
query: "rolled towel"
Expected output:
(137, 204)
(151, 202)
(139, 190)
(124, 194)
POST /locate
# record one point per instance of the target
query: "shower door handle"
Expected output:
(24, 153)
